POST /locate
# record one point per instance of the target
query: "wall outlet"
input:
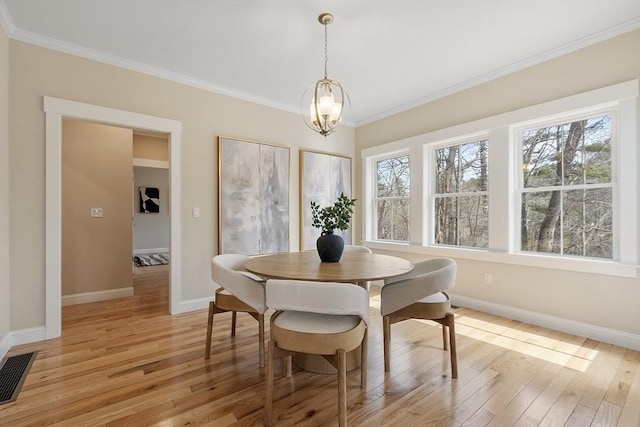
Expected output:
(96, 212)
(195, 212)
(488, 278)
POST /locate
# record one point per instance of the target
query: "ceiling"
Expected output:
(388, 55)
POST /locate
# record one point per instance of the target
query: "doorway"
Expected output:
(57, 109)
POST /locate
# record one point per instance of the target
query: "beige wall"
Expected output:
(4, 187)
(605, 301)
(149, 147)
(38, 71)
(97, 172)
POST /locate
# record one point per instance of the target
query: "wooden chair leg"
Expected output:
(364, 354)
(386, 332)
(342, 387)
(269, 392)
(233, 324)
(452, 343)
(288, 369)
(445, 339)
(260, 339)
(207, 350)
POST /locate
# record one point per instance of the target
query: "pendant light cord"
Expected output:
(326, 56)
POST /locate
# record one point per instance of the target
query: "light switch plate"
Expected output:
(96, 212)
(195, 212)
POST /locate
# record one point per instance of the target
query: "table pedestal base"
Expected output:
(320, 365)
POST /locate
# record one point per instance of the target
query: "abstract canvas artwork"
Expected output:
(324, 177)
(253, 197)
(149, 200)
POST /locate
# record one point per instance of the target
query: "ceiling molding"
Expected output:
(57, 45)
(534, 60)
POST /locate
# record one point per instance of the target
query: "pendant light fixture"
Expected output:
(326, 100)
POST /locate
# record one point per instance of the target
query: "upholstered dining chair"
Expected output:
(362, 250)
(239, 291)
(328, 319)
(420, 294)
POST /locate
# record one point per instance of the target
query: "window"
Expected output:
(392, 199)
(461, 208)
(564, 191)
(566, 195)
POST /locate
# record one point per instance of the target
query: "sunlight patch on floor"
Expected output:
(549, 349)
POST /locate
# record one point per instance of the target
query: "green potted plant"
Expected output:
(338, 216)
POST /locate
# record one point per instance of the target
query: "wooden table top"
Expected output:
(352, 267)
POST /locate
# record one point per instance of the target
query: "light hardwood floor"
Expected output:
(127, 362)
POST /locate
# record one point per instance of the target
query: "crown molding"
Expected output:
(49, 43)
(5, 20)
(534, 60)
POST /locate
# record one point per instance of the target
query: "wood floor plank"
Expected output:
(127, 362)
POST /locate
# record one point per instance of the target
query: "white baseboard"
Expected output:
(23, 336)
(150, 251)
(610, 336)
(5, 345)
(194, 304)
(85, 297)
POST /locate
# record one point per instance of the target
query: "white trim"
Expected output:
(148, 163)
(195, 304)
(85, 297)
(521, 65)
(150, 251)
(5, 345)
(610, 336)
(56, 109)
(590, 265)
(27, 336)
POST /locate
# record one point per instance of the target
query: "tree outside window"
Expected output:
(566, 196)
(392, 198)
(461, 204)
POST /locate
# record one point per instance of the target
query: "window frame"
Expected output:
(505, 155)
(569, 117)
(376, 199)
(432, 185)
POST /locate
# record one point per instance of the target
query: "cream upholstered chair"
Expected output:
(420, 294)
(356, 248)
(329, 319)
(239, 291)
(359, 249)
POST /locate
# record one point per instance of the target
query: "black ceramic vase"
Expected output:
(330, 246)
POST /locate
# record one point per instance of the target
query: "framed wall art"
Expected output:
(253, 197)
(322, 178)
(149, 200)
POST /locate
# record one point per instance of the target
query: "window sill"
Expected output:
(592, 266)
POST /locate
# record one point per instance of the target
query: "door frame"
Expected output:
(57, 109)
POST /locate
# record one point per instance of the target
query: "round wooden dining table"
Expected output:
(353, 267)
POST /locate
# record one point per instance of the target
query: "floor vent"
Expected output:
(13, 372)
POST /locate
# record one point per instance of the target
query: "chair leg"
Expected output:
(260, 339)
(269, 393)
(452, 342)
(386, 332)
(364, 354)
(288, 369)
(342, 387)
(445, 339)
(233, 324)
(207, 350)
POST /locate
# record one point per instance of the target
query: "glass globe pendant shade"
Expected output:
(326, 101)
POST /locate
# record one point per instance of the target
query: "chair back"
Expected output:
(225, 271)
(357, 249)
(427, 278)
(318, 297)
